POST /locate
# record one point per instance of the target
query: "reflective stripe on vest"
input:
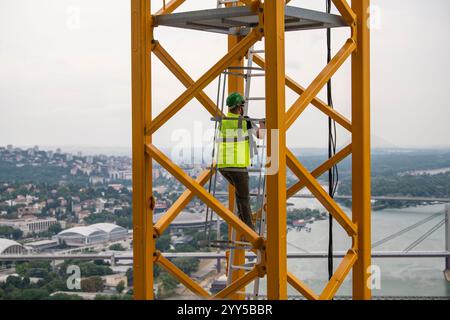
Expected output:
(234, 146)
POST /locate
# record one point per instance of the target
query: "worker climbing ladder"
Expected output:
(257, 155)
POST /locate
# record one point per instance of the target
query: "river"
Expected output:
(399, 277)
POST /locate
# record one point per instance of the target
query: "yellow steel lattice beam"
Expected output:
(170, 7)
(179, 204)
(181, 276)
(346, 11)
(204, 195)
(184, 77)
(319, 82)
(319, 104)
(321, 195)
(302, 288)
(237, 284)
(273, 20)
(240, 49)
(361, 150)
(143, 243)
(338, 277)
(320, 170)
(276, 259)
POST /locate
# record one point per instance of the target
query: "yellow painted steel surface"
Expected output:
(301, 287)
(239, 50)
(275, 120)
(361, 150)
(181, 276)
(143, 243)
(271, 26)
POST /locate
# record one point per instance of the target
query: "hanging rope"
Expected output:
(333, 174)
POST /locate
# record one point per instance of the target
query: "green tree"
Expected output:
(116, 247)
(168, 284)
(92, 284)
(187, 265)
(55, 229)
(30, 294)
(120, 287)
(64, 296)
(129, 275)
(163, 242)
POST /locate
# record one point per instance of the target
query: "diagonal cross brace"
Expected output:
(181, 276)
(319, 104)
(324, 167)
(323, 197)
(178, 205)
(170, 7)
(339, 275)
(239, 49)
(301, 287)
(184, 78)
(314, 88)
(204, 195)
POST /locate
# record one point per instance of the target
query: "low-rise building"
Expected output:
(29, 224)
(113, 280)
(41, 245)
(8, 247)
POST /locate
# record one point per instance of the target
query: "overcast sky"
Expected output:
(65, 74)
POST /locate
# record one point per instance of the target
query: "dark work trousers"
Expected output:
(240, 181)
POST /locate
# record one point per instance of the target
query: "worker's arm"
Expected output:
(260, 131)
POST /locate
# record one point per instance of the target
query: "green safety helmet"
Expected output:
(235, 99)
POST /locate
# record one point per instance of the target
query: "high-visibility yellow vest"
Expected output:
(234, 147)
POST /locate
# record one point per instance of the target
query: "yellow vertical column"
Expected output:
(143, 243)
(361, 150)
(236, 84)
(276, 143)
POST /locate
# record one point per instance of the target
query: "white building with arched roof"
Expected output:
(93, 234)
(11, 247)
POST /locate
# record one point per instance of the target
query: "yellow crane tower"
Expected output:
(245, 24)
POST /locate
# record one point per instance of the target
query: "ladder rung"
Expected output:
(246, 68)
(225, 246)
(256, 75)
(237, 119)
(226, 194)
(237, 74)
(244, 243)
(232, 242)
(249, 170)
(228, 1)
(257, 51)
(242, 267)
(256, 98)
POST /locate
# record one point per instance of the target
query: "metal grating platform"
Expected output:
(239, 20)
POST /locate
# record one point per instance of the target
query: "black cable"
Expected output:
(333, 174)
